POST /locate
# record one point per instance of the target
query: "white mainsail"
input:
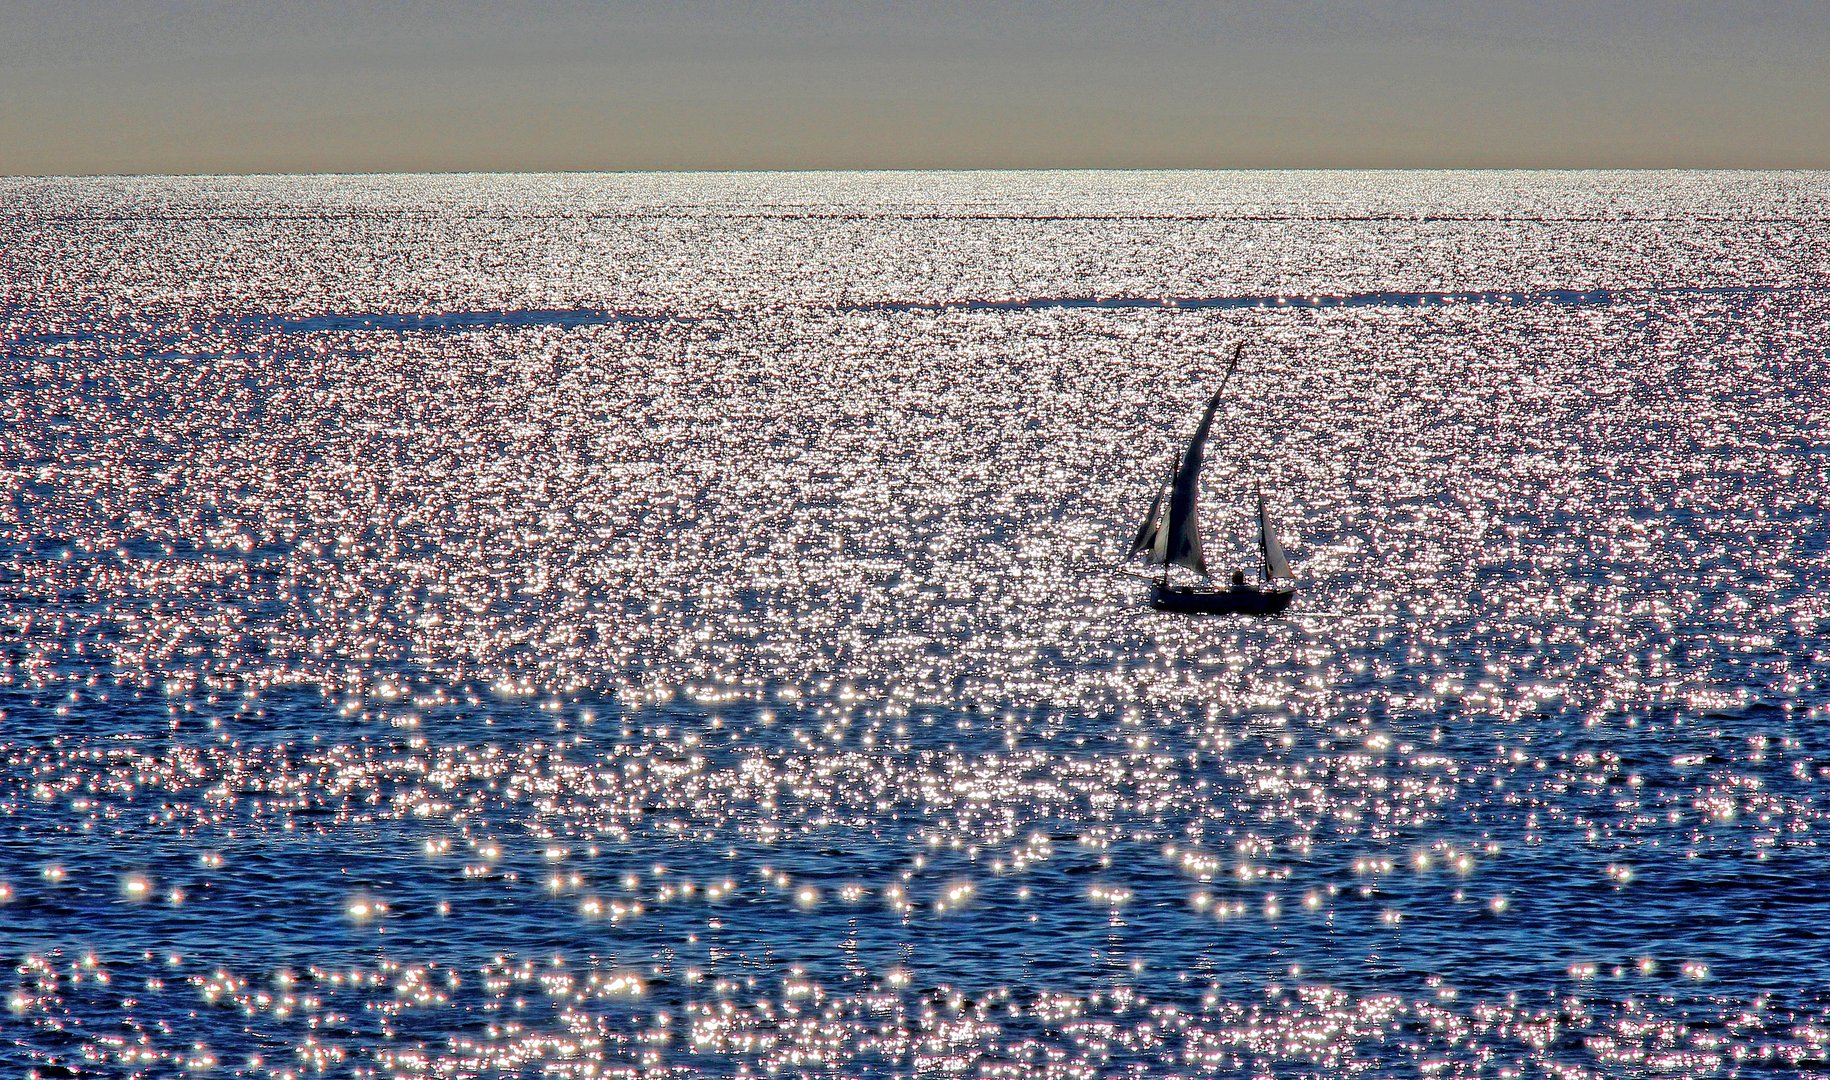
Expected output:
(1177, 541)
(1276, 566)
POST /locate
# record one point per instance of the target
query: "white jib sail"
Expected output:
(1276, 566)
(1147, 532)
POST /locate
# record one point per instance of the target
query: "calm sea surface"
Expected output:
(667, 625)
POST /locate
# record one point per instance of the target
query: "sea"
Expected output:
(676, 625)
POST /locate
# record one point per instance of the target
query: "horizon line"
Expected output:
(808, 170)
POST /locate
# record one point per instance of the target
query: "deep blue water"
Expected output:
(583, 626)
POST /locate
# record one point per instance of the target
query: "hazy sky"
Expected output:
(198, 86)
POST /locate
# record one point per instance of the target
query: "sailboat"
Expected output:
(1171, 536)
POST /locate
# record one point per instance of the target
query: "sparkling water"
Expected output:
(674, 624)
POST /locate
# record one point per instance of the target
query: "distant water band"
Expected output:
(579, 317)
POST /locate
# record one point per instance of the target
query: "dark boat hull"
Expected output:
(1194, 600)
